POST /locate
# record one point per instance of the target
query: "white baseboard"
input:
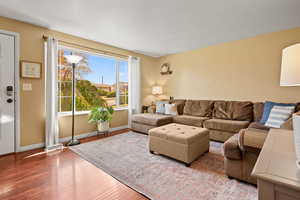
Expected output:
(31, 147)
(65, 139)
(84, 135)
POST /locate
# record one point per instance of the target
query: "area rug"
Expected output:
(126, 157)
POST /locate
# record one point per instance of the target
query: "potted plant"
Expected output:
(102, 116)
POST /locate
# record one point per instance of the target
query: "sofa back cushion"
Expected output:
(180, 105)
(201, 108)
(258, 109)
(233, 110)
(297, 109)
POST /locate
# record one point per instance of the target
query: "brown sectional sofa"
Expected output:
(234, 122)
(222, 118)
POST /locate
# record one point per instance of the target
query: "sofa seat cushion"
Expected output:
(152, 119)
(231, 148)
(258, 125)
(226, 125)
(189, 120)
(179, 133)
(141, 128)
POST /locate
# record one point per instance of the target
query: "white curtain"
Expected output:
(51, 59)
(134, 92)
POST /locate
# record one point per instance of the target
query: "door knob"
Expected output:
(9, 100)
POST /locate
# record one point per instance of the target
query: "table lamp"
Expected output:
(157, 90)
(290, 76)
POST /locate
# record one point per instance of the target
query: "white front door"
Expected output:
(7, 94)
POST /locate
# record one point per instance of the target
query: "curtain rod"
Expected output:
(45, 37)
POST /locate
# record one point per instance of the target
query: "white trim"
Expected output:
(31, 147)
(117, 84)
(118, 128)
(65, 139)
(65, 114)
(16, 87)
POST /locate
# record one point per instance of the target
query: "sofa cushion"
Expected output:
(251, 140)
(231, 148)
(288, 124)
(258, 109)
(200, 108)
(233, 110)
(189, 120)
(141, 128)
(180, 105)
(179, 133)
(278, 115)
(268, 105)
(171, 109)
(297, 109)
(160, 107)
(226, 125)
(258, 125)
(152, 119)
(219, 135)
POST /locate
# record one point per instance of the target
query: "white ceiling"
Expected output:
(158, 27)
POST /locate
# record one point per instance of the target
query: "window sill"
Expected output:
(65, 114)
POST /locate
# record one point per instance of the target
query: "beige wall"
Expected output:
(32, 102)
(247, 69)
(120, 118)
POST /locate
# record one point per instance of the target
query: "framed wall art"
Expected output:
(31, 69)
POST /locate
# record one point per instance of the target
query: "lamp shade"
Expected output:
(290, 66)
(73, 59)
(157, 90)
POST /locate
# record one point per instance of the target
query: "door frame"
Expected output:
(16, 86)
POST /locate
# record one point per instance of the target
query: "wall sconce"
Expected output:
(165, 69)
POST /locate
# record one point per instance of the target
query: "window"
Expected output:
(100, 80)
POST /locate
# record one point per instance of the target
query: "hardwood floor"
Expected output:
(59, 175)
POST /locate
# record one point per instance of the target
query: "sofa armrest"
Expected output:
(231, 148)
(288, 124)
(258, 126)
(252, 139)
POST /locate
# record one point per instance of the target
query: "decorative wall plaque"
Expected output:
(30, 69)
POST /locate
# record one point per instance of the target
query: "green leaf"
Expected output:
(101, 113)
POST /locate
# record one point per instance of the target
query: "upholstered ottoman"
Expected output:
(145, 121)
(181, 142)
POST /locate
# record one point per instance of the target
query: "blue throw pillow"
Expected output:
(268, 107)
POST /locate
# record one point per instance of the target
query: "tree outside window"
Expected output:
(100, 81)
